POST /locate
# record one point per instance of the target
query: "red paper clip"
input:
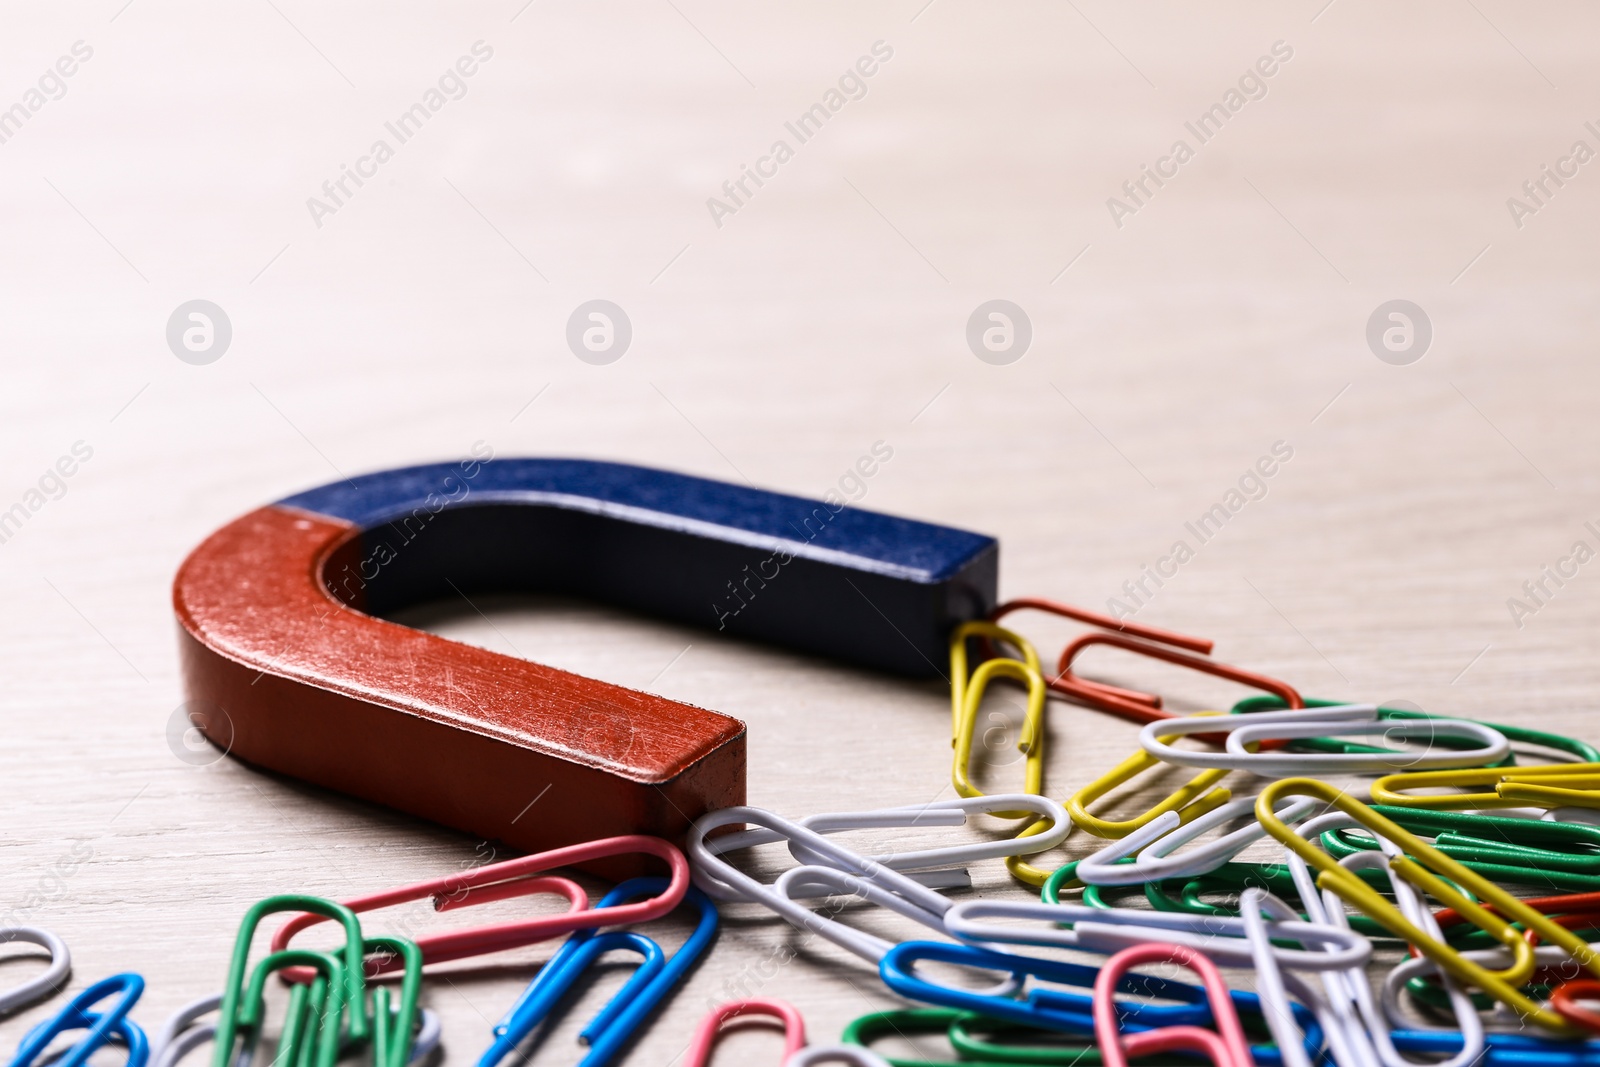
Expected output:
(1110, 624)
(1566, 999)
(1226, 1046)
(1570, 910)
(510, 878)
(1097, 695)
(710, 1028)
(1104, 622)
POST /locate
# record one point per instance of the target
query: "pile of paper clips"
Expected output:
(1335, 951)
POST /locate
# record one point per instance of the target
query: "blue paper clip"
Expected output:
(615, 1023)
(1054, 1009)
(1504, 1050)
(104, 1027)
(557, 977)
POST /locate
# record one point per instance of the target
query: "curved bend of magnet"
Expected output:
(289, 663)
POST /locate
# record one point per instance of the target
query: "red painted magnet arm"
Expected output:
(288, 677)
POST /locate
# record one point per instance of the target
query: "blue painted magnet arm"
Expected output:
(809, 576)
(930, 551)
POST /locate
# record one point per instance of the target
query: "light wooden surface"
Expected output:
(827, 314)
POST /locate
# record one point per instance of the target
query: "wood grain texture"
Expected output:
(827, 313)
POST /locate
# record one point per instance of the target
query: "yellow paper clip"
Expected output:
(967, 698)
(1426, 868)
(1553, 785)
(1020, 868)
(1190, 802)
(1031, 741)
(1551, 790)
(958, 662)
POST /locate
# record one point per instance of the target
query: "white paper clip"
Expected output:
(42, 985)
(842, 868)
(1352, 1013)
(1109, 930)
(1346, 720)
(855, 1055)
(939, 813)
(1154, 843)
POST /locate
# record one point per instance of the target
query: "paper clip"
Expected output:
(1097, 695)
(1575, 911)
(1517, 735)
(905, 1022)
(1030, 741)
(40, 986)
(1351, 1019)
(1568, 909)
(1359, 719)
(1274, 986)
(710, 1028)
(1188, 896)
(1426, 868)
(1544, 786)
(1059, 1009)
(1062, 1050)
(960, 678)
(312, 1025)
(1225, 1046)
(314, 1014)
(334, 992)
(1104, 622)
(103, 1025)
(1223, 939)
(1550, 961)
(976, 1041)
(341, 981)
(1147, 854)
(510, 878)
(610, 1029)
(1052, 820)
(1020, 868)
(1152, 634)
(394, 1028)
(1506, 849)
(183, 1032)
(1343, 1013)
(1190, 801)
(556, 978)
(869, 878)
(1503, 1049)
(1568, 998)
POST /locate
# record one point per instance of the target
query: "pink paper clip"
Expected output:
(1226, 1046)
(510, 878)
(710, 1028)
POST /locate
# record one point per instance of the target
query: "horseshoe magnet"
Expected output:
(289, 664)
